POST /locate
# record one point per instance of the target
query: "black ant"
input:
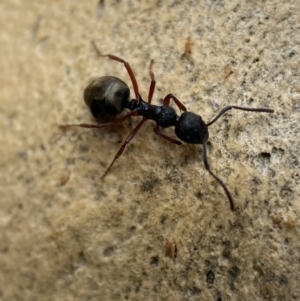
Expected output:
(108, 96)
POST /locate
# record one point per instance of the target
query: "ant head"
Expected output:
(190, 128)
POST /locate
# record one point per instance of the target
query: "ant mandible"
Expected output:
(108, 96)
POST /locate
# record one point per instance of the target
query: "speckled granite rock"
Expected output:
(65, 235)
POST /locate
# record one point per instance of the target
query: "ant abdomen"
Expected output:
(106, 96)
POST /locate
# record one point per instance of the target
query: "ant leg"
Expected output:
(127, 66)
(153, 82)
(207, 167)
(239, 108)
(120, 151)
(180, 105)
(170, 139)
(151, 91)
(99, 125)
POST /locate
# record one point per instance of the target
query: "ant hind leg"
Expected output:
(98, 125)
(120, 151)
(153, 82)
(127, 66)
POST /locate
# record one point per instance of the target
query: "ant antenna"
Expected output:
(207, 167)
(239, 108)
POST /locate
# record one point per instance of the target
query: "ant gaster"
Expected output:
(108, 96)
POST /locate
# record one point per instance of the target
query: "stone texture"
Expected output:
(65, 235)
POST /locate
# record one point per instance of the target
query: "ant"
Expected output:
(108, 96)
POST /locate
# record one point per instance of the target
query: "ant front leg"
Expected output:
(263, 110)
(166, 102)
(170, 139)
(127, 66)
(120, 151)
